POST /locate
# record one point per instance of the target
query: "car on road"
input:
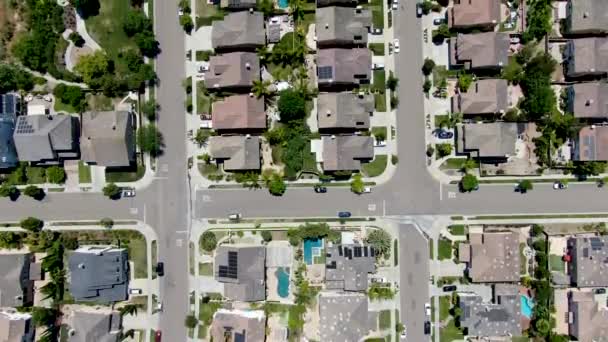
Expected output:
(157, 336)
(128, 192)
(449, 288)
(427, 309)
(344, 214)
(377, 66)
(427, 328)
(235, 216)
(160, 269)
(367, 190)
(403, 334)
(396, 45)
(419, 10)
(320, 189)
(438, 21)
(560, 185)
(135, 291)
(445, 134)
(600, 291)
(395, 5)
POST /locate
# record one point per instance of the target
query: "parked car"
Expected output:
(159, 307)
(449, 288)
(160, 269)
(367, 190)
(427, 309)
(439, 21)
(128, 192)
(396, 45)
(390, 48)
(157, 336)
(395, 5)
(379, 280)
(235, 216)
(135, 291)
(403, 334)
(377, 66)
(320, 189)
(419, 10)
(376, 31)
(560, 185)
(601, 290)
(445, 134)
(344, 214)
(427, 328)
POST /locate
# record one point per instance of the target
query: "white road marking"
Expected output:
(179, 242)
(440, 191)
(371, 207)
(451, 194)
(133, 211)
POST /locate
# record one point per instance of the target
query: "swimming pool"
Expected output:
(312, 248)
(283, 3)
(527, 304)
(282, 275)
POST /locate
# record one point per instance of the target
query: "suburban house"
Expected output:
(491, 257)
(234, 70)
(587, 17)
(344, 111)
(344, 316)
(479, 14)
(484, 97)
(343, 67)
(588, 267)
(16, 326)
(99, 274)
(8, 152)
(94, 324)
(46, 139)
(345, 152)
(238, 112)
(347, 267)
(586, 57)
(589, 316)
(236, 153)
(237, 4)
(107, 139)
(591, 144)
(488, 50)
(241, 269)
(239, 31)
(500, 318)
(489, 142)
(239, 325)
(588, 100)
(16, 283)
(342, 26)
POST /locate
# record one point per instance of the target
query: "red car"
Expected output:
(157, 336)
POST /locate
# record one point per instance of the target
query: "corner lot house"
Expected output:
(236, 153)
(233, 71)
(490, 142)
(239, 112)
(345, 152)
(347, 266)
(586, 57)
(46, 139)
(589, 316)
(343, 67)
(241, 269)
(239, 31)
(588, 267)
(93, 324)
(480, 14)
(16, 285)
(489, 50)
(239, 325)
(16, 326)
(588, 100)
(491, 257)
(344, 111)
(99, 274)
(591, 144)
(501, 318)
(484, 97)
(587, 17)
(107, 139)
(344, 316)
(336, 26)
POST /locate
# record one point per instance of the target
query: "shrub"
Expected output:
(266, 235)
(428, 66)
(111, 190)
(208, 241)
(106, 222)
(55, 175)
(34, 192)
(291, 105)
(32, 224)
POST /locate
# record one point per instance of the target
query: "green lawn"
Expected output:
(445, 249)
(444, 307)
(207, 13)
(138, 255)
(431, 249)
(380, 130)
(203, 100)
(440, 73)
(458, 229)
(384, 319)
(205, 269)
(377, 48)
(556, 263)
(191, 251)
(380, 102)
(450, 333)
(379, 78)
(63, 107)
(100, 102)
(206, 311)
(106, 28)
(454, 164)
(84, 173)
(377, 13)
(128, 174)
(439, 118)
(309, 162)
(35, 175)
(208, 169)
(376, 167)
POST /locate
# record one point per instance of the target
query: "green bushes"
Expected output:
(312, 231)
(72, 95)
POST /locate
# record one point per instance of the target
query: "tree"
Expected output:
(149, 109)
(129, 309)
(261, 88)
(106, 222)
(464, 81)
(191, 322)
(589, 168)
(380, 240)
(426, 86)
(392, 82)
(55, 175)
(513, 72)
(136, 22)
(441, 33)
(276, 185)
(266, 7)
(150, 140)
(147, 44)
(537, 230)
(538, 19)
(87, 8)
(93, 67)
(542, 326)
(291, 105)
(77, 39)
(380, 135)
(428, 66)
(525, 185)
(9, 190)
(111, 190)
(208, 241)
(357, 186)
(469, 164)
(34, 192)
(469, 183)
(444, 150)
(13, 78)
(276, 136)
(72, 95)
(43, 317)
(266, 235)
(32, 224)
(186, 22)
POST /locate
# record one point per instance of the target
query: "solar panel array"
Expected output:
(325, 72)
(229, 271)
(24, 127)
(596, 244)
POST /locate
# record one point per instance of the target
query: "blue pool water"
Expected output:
(311, 248)
(526, 306)
(283, 3)
(282, 275)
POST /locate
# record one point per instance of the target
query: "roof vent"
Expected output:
(328, 112)
(333, 137)
(248, 136)
(113, 127)
(326, 25)
(81, 266)
(248, 66)
(585, 14)
(589, 102)
(19, 297)
(250, 94)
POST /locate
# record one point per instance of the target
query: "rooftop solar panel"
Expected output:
(325, 72)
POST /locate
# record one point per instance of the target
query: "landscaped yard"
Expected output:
(203, 100)
(138, 255)
(377, 48)
(84, 173)
(99, 102)
(379, 84)
(376, 167)
(454, 163)
(125, 174)
(450, 332)
(380, 102)
(384, 319)
(444, 249)
(206, 311)
(458, 229)
(556, 263)
(208, 169)
(444, 307)
(205, 269)
(106, 27)
(35, 175)
(207, 13)
(377, 13)
(63, 107)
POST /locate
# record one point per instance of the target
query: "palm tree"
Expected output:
(297, 10)
(468, 165)
(129, 309)
(264, 54)
(261, 88)
(128, 334)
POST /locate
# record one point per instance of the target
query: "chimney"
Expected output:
(333, 137)
(248, 66)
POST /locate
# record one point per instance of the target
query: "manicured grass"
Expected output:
(203, 100)
(440, 73)
(377, 13)
(100, 102)
(444, 307)
(376, 167)
(309, 161)
(84, 173)
(206, 311)
(379, 131)
(106, 28)
(379, 77)
(377, 48)
(208, 169)
(431, 251)
(205, 269)
(35, 175)
(384, 319)
(138, 255)
(520, 339)
(63, 107)
(439, 118)
(556, 263)
(319, 260)
(450, 333)
(445, 249)
(515, 217)
(128, 174)
(454, 164)
(380, 102)
(458, 229)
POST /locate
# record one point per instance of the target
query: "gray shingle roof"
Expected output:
(232, 70)
(489, 140)
(237, 4)
(103, 326)
(342, 25)
(345, 152)
(588, 100)
(590, 317)
(347, 266)
(15, 284)
(107, 138)
(489, 96)
(587, 56)
(587, 16)
(40, 138)
(241, 269)
(240, 325)
(8, 153)
(16, 327)
(501, 318)
(99, 274)
(591, 144)
(344, 110)
(343, 316)
(343, 66)
(236, 152)
(239, 30)
(480, 50)
(589, 255)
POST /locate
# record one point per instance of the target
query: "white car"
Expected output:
(395, 5)
(367, 190)
(128, 192)
(396, 45)
(235, 216)
(560, 186)
(427, 309)
(180, 11)
(403, 335)
(377, 66)
(135, 291)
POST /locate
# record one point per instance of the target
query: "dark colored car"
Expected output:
(427, 328)
(320, 189)
(157, 336)
(449, 288)
(344, 214)
(600, 291)
(160, 269)
(445, 135)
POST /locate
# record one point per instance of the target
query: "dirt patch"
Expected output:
(78, 52)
